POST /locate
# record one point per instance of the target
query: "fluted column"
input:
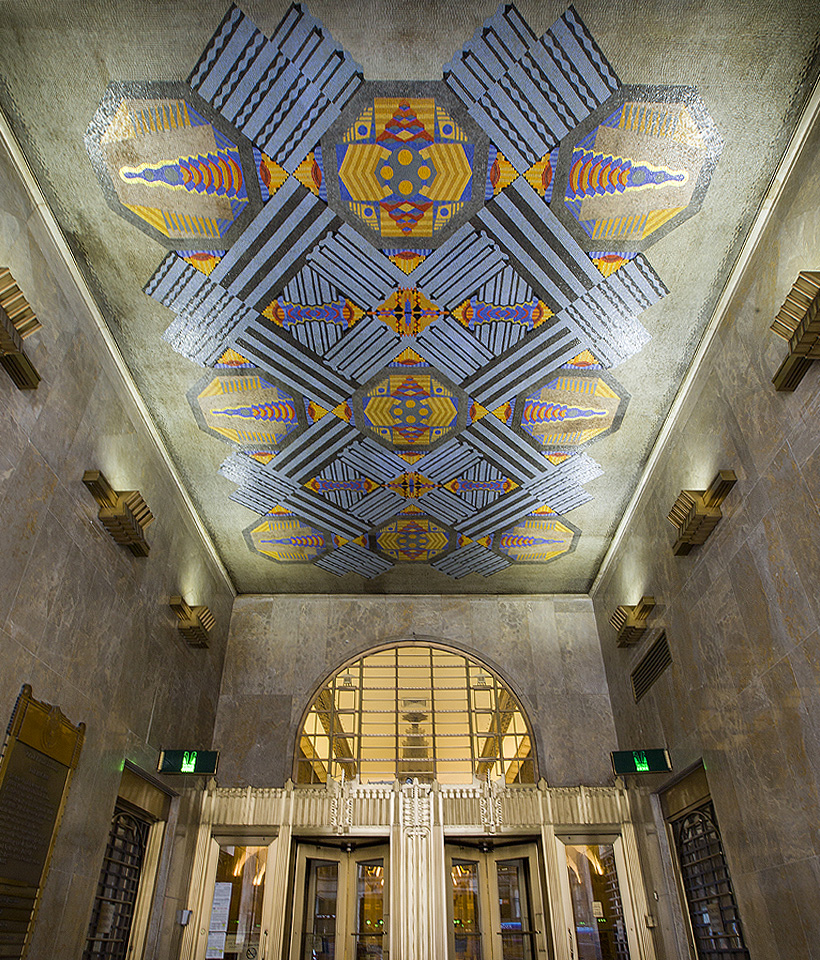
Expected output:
(418, 904)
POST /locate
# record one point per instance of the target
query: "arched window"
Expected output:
(415, 710)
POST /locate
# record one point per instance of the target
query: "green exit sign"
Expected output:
(640, 761)
(202, 762)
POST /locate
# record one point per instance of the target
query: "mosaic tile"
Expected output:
(431, 280)
(636, 168)
(172, 166)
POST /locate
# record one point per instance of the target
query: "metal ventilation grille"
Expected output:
(651, 667)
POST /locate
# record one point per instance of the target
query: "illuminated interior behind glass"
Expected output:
(415, 711)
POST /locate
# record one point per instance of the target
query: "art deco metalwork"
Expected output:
(799, 324)
(419, 712)
(195, 623)
(696, 513)
(124, 514)
(40, 754)
(630, 622)
(17, 321)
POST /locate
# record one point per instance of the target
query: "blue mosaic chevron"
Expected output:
(356, 268)
(458, 353)
(497, 515)
(527, 94)
(261, 487)
(505, 289)
(308, 288)
(364, 350)
(465, 262)
(608, 313)
(445, 506)
(471, 558)
(351, 558)
(499, 336)
(551, 345)
(502, 446)
(317, 336)
(280, 355)
(283, 92)
(504, 305)
(207, 315)
(269, 253)
(373, 461)
(377, 506)
(321, 443)
(317, 510)
(448, 461)
(545, 253)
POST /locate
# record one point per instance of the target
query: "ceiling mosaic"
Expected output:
(409, 296)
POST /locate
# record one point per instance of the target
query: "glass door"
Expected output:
(340, 904)
(235, 929)
(496, 904)
(602, 925)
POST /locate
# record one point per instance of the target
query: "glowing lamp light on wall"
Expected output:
(696, 513)
(195, 623)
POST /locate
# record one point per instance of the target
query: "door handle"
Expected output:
(264, 944)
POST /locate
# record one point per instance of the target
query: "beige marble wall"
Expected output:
(282, 648)
(81, 620)
(742, 613)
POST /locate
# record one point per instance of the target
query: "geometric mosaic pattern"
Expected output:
(405, 169)
(413, 315)
(245, 409)
(642, 168)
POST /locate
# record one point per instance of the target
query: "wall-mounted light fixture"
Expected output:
(799, 324)
(696, 513)
(123, 513)
(195, 623)
(630, 622)
(17, 321)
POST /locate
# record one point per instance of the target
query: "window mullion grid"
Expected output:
(434, 744)
(397, 716)
(470, 698)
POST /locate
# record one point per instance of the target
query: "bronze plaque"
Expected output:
(39, 757)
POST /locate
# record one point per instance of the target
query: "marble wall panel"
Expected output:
(282, 648)
(82, 621)
(742, 612)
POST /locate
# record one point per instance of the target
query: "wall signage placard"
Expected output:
(40, 754)
(200, 762)
(640, 761)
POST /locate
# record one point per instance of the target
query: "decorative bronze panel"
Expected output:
(39, 757)
(195, 623)
(631, 621)
(17, 321)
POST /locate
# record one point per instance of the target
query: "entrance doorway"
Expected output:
(496, 904)
(340, 903)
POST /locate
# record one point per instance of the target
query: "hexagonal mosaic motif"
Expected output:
(413, 538)
(410, 410)
(571, 409)
(408, 166)
(284, 537)
(536, 539)
(181, 174)
(245, 409)
(642, 168)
